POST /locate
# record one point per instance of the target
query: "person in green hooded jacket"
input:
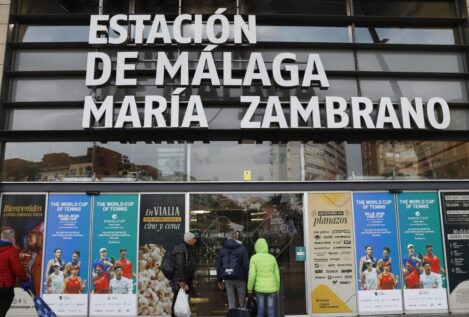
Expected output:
(264, 278)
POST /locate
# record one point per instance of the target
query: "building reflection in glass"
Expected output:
(105, 162)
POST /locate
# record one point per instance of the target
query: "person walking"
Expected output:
(232, 269)
(10, 269)
(264, 278)
(184, 267)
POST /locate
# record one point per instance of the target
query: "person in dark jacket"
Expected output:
(235, 280)
(10, 269)
(184, 263)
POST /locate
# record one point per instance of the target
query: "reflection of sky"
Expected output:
(407, 35)
(35, 151)
(51, 60)
(451, 90)
(353, 154)
(60, 119)
(49, 33)
(302, 34)
(446, 62)
(58, 89)
(227, 161)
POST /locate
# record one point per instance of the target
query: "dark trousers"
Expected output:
(6, 298)
(175, 294)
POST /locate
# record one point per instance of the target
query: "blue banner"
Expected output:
(67, 238)
(378, 264)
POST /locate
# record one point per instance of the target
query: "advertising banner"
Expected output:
(162, 223)
(424, 279)
(456, 227)
(65, 282)
(114, 254)
(378, 265)
(23, 219)
(331, 254)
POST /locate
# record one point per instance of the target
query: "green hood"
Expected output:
(261, 246)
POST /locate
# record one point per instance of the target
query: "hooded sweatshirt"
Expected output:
(236, 249)
(10, 265)
(264, 276)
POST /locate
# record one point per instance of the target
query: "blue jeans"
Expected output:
(266, 304)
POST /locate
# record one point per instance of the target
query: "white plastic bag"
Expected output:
(181, 307)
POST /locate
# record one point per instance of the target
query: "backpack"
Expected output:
(230, 266)
(168, 263)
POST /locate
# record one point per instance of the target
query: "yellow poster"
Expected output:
(332, 253)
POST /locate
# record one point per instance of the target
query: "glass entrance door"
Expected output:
(276, 217)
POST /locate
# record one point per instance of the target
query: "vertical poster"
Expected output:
(456, 227)
(66, 252)
(23, 220)
(113, 255)
(378, 265)
(424, 280)
(332, 255)
(162, 226)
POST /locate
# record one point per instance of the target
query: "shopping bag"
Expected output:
(181, 307)
(251, 305)
(42, 309)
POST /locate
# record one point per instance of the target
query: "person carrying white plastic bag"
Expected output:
(182, 262)
(181, 307)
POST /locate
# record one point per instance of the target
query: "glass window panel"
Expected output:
(58, 6)
(87, 161)
(156, 7)
(447, 62)
(405, 35)
(416, 159)
(451, 90)
(34, 60)
(303, 34)
(46, 119)
(459, 119)
(405, 8)
(266, 161)
(208, 6)
(316, 7)
(224, 117)
(143, 162)
(51, 161)
(277, 217)
(116, 7)
(53, 33)
(325, 161)
(139, 92)
(56, 89)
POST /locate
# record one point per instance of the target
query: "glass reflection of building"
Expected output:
(98, 162)
(325, 161)
(416, 160)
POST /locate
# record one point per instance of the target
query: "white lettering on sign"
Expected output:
(210, 67)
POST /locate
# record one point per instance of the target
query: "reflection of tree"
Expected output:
(213, 202)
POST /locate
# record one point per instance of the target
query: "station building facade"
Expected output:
(254, 179)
